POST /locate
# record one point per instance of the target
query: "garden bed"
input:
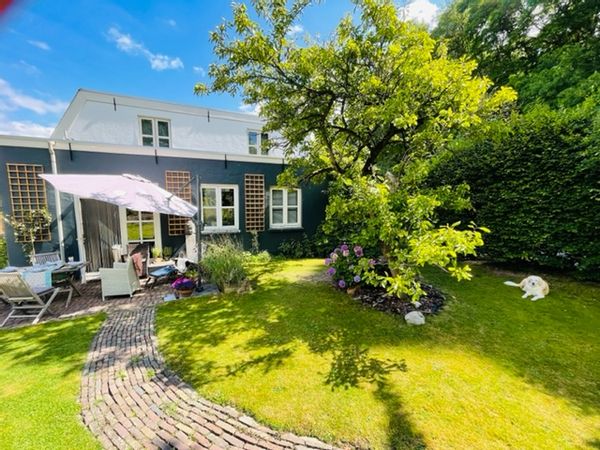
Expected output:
(377, 298)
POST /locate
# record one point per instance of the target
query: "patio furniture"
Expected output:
(62, 275)
(120, 280)
(43, 258)
(25, 300)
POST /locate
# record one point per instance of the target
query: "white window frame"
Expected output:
(285, 224)
(235, 228)
(259, 143)
(155, 137)
(157, 240)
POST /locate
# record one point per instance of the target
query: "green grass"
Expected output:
(491, 371)
(40, 372)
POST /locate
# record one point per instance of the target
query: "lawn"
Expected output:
(491, 371)
(40, 372)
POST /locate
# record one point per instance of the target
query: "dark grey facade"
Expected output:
(152, 168)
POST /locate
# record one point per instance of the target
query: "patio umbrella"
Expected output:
(129, 191)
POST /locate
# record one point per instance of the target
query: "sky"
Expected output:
(153, 49)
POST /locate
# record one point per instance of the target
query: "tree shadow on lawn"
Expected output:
(59, 343)
(557, 351)
(277, 327)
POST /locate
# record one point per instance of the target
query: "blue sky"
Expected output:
(154, 49)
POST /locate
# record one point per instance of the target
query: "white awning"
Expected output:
(129, 191)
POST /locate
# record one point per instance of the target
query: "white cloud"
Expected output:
(127, 44)
(25, 128)
(39, 44)
(12, 99)
(29, 69)
(250, 109)
(295, 30)
(421, 11)
(172, 23)
(199, 70)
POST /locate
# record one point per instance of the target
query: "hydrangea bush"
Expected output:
(346, 265)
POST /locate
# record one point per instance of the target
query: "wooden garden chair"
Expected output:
(24, 300)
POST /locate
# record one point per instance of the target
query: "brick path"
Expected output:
(130, 400)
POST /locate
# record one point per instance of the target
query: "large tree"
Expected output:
(378, 89)
(379, 96)
(549, 50)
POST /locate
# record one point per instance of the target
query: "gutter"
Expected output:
(59, 223)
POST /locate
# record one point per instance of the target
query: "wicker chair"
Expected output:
(120, 280)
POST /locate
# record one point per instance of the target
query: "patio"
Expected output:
(91, 302)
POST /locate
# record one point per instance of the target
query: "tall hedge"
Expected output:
(535, 182)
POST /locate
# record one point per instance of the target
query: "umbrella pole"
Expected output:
(198, 222)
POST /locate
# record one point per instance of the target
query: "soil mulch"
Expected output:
(379, 299)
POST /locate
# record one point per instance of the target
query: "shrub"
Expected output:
(345, 266)
(3, 253)
(224, 263)
(534, 183)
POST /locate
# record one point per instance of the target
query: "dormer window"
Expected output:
(155, 132)
(258, 142)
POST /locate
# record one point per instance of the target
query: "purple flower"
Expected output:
(345, 248)
(342, 284)
(327, 261)
(334, 257)
(356, 279)
(358, 251)
(183, 283)
(372, 262)
(337, 250)
(331, 271)
(345, 253)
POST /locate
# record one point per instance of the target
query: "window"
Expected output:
(256, 141)
(178, 183)
(285, 208)
(155, 131)
(220, 207)
(27, 193)
(140, 226)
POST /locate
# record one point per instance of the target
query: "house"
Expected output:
(169, 144)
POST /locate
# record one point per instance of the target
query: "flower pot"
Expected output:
(184, 292)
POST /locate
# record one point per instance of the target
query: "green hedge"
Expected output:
(535, 183)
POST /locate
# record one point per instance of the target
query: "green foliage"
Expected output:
(547, 50)
(29, 226)
(379, 91)
(404, 225)
(167, 252)
(303, 247)
(3, 253)
(535, 182)
(224, 262)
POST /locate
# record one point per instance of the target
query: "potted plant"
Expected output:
(28, 227)
(156, 254)
(184, 286)
(167, 252)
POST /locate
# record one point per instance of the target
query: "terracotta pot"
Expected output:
(184, 292)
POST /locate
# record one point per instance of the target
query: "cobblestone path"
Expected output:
(130, 400)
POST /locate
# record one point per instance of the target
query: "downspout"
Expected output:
(59, 224)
